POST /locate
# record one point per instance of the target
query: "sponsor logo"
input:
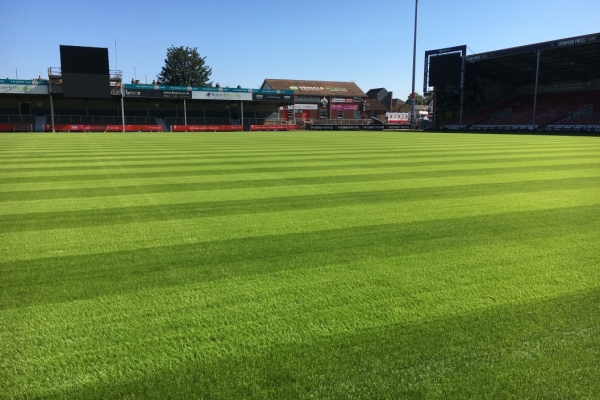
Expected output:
(318, 88)
(307, 88)
(222, 95)
(337, 89)
(308, 99)
(132, 92)
(571, 42)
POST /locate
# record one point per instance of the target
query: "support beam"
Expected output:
(242, 114)
(535, 92)
(123, 110)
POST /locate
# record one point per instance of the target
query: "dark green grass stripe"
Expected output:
(57, 279)
(544, 349)
(25, 195)
(217, 154)
(112, 216)
(281, 147)
(362, 162)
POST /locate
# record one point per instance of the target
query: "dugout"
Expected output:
(539, 86)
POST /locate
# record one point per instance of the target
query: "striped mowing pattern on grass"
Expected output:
(299, 265)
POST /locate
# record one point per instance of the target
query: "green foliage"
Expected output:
(184, 67)
(419, 99)
(299, 265)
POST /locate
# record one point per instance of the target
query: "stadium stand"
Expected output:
(550, 86)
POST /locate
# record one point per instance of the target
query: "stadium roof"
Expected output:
(315, 88)
(575, 59)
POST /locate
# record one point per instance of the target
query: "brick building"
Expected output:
(319, 99)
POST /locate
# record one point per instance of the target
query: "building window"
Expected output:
(356, 114)
(340, 114)
(290, 114)
(323, 114)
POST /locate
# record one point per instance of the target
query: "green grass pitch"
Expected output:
(299, 266)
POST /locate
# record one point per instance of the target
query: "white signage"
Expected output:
(303, 107)
(230, 96)
(23, 89)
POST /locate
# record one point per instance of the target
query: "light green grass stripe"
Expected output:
(52, 174)
(453, 170)
(218, 155)
(295, 169)
(182, 197)
(49, 243)
(71, 344)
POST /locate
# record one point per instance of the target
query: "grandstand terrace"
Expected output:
(551, 86)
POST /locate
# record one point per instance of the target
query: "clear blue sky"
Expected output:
(245, 41)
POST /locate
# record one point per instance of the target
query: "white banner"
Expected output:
(230, 96)
(23, 89)
(303, 107)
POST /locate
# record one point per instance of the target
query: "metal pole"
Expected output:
(462, 88)
(434, 99)
(412, 95)
(52, 110)
(537, 75)
(51, 102)
(184, 112)
(122, 109)
(242, 107)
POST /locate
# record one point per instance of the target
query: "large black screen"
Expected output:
(85, 71)
(84, 60)
(445, 70)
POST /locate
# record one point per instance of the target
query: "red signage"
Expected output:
(344, 107)
(290, 127)
(206, 128)
(102, 128)
(15, 127)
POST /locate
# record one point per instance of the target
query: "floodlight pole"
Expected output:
(412, 95)
(122, 108)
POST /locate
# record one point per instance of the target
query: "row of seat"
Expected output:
(549, 108)
(16, 119)
(100, 120)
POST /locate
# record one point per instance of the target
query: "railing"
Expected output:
(116, 75)
(54, 72)
(196, 121)
(89, 119)
(342, 121)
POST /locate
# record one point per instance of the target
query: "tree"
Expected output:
(419, 100)
(184, 67)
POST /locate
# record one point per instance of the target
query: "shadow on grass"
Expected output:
(547, 349)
